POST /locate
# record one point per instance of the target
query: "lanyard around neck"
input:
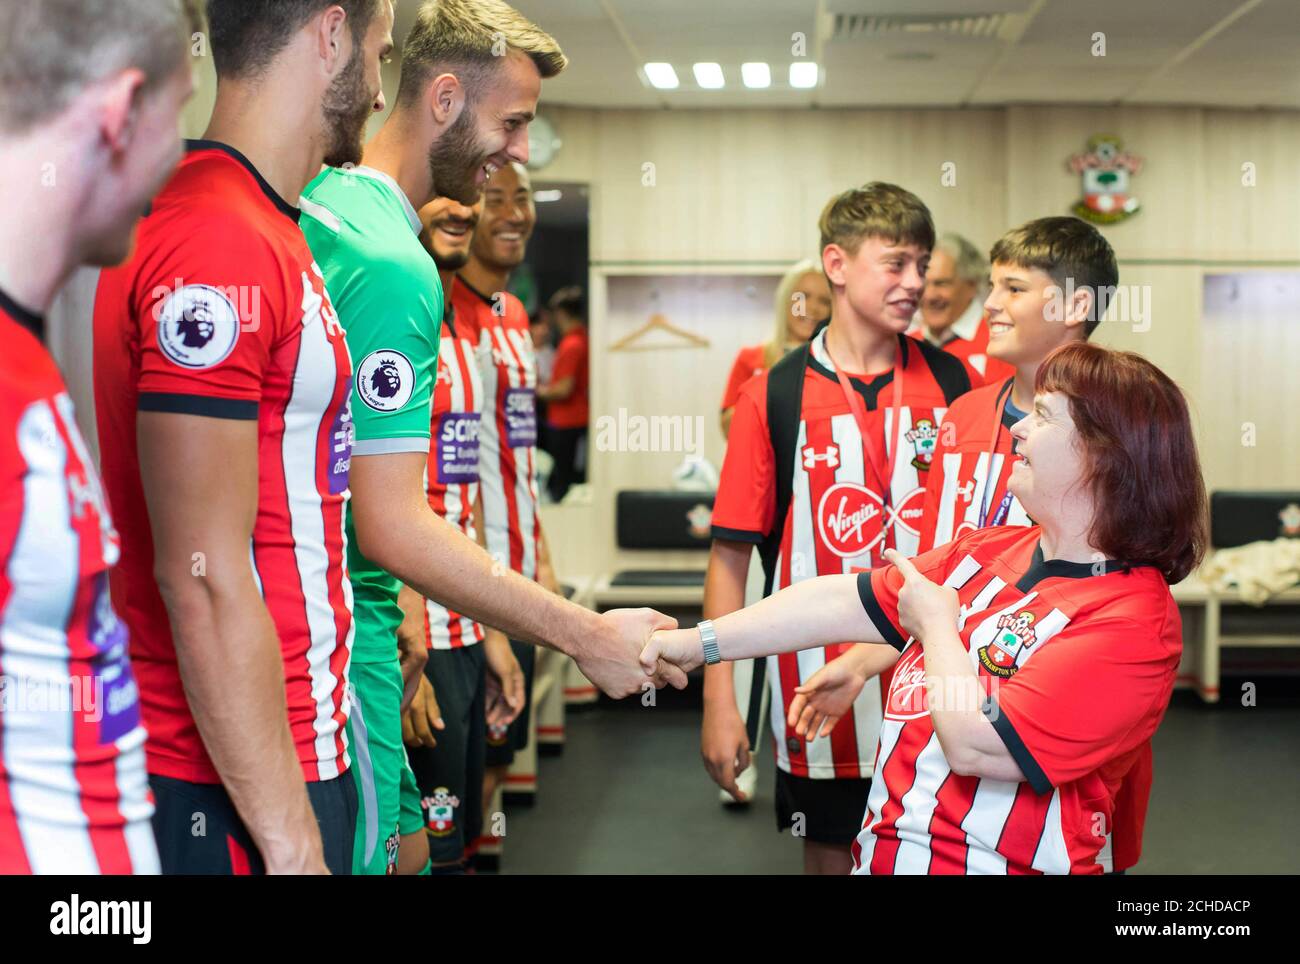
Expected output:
(859, 409)
(990, 481)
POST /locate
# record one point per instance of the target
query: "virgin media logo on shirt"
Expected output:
(844, 513)
(906, 700)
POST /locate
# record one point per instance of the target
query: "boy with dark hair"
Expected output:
(1052, 280)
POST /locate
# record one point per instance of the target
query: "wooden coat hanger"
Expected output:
(658, 322)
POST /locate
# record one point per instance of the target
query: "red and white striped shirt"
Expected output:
(452, 474)
(508, 443)
(222, 312)
(958, 493)
(74, 796)
(837, 521)
(1077, 661)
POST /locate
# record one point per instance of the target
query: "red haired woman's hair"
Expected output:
(1144, 473)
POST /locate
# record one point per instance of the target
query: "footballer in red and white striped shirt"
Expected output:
(508, 443)
(454, 455)
(74, 793)
(202, 322)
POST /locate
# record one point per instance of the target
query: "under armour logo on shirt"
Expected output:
(831, 457)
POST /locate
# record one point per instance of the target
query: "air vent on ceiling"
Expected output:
(861, 26)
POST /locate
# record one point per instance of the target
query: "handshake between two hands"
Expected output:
(667, 654)
(664, 654)
(639, 649)
(645, 648)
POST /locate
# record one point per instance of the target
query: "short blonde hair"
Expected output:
(473, 35)
(52, 50)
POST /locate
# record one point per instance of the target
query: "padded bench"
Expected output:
(655, 520)
(1214, 619)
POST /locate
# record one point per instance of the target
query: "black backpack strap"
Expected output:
(948, 371)
(784, 409)
(784, 402)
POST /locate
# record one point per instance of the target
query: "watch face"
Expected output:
(542, 143)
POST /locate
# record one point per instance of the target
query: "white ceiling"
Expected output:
(1229, 53)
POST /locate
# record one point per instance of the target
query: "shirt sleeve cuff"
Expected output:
(240, 409)
(737, 535)
(1016, 746)
(391, 446)
(876, 613)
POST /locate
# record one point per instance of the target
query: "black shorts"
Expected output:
(199, 831)
(501, 747)
(450, 775)
(826, 811)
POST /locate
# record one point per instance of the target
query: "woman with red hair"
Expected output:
(1030, 665)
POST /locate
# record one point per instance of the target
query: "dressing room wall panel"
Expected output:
(737, 193)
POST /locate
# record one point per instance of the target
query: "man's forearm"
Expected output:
(412, 642)
(229, 658)
(545, 571)
(411, 603)
(441, 563)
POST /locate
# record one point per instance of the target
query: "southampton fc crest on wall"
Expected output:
(1107, 170)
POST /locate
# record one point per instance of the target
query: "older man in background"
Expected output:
(952, 308)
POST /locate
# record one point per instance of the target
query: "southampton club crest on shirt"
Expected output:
(923, 436)
(1107, 170)
(441, 811)
(391, 846)
(1014, 633)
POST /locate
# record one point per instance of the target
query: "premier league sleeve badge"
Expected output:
(385, 380)
(198, 326)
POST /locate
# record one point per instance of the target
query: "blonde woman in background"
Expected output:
(803, 301)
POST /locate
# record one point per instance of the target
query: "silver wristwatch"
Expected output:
(710, 640)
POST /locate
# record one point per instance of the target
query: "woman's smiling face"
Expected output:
(1051, 463)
